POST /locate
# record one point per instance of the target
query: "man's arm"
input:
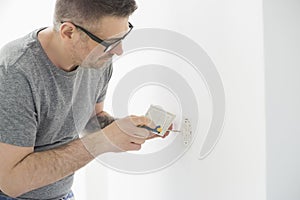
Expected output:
(99, 120)
(103, 117)
(22, 170)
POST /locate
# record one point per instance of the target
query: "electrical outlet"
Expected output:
(186, 130)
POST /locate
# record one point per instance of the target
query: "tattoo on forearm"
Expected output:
(104, 119)
(99, 121)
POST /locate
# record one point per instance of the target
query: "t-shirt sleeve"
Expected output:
(105, 81)
(18, 118)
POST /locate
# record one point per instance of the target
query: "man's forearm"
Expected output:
(43, 168)
(104, 119)
(98, 122)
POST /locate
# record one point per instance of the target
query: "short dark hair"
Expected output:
(88, 12)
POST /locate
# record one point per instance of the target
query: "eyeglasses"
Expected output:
(108, 45)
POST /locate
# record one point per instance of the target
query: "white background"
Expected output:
(282, 47)
(232, 34)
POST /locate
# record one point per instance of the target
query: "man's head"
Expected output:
(89, 12)
(92, 26)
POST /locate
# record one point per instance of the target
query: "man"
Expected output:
(41, 75)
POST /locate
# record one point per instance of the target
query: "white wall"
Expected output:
(231, 32)
(21, 17)
(282, 47)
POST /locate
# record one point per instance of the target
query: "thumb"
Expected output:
(129, 125)
(142, 121)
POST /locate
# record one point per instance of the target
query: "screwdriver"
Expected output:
(176, 131)
(158, 129)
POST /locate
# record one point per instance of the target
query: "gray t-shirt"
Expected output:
(43, 106)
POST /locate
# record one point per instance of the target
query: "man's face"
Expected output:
(90, 53)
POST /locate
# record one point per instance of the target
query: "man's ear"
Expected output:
(67, 30)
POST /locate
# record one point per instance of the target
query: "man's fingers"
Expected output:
(141, 133)
(153, 136)
(142, 121)
(126, 135)
(129, 126)
(135, 147)
(137, 140)
(166, 134)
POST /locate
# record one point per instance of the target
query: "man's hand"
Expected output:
(124, 135)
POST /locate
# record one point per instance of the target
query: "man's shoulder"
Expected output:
(17, 51)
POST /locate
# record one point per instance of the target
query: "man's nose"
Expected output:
(118, 50)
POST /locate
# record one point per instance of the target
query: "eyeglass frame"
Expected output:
(99, 40)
